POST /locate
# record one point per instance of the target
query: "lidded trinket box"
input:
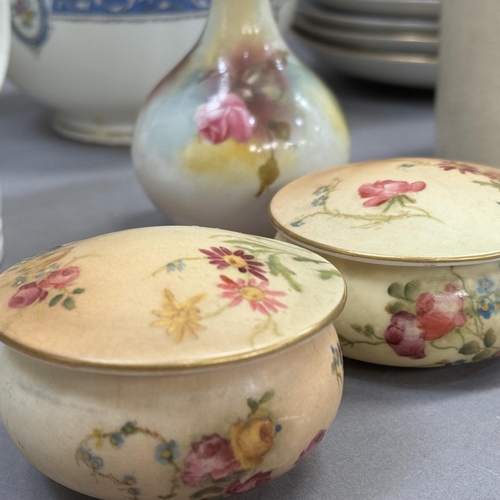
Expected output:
(418, 242)
(169, 362)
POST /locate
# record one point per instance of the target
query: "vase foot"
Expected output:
(93, 132)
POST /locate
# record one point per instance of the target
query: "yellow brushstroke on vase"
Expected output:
(233, 161)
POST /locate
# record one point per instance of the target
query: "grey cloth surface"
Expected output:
(399, 434)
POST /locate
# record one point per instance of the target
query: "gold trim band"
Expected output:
(377, 258)
(136, 368)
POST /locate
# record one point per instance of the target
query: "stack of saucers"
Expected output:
(389, 41)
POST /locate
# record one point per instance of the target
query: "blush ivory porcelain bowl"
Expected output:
(170, 362)
(94, 62)
(418, 243)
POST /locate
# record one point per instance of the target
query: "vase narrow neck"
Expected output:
(232, 20)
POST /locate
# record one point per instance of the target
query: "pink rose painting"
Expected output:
(61, 278)
(55, 283)
(436, 315)
(27, 295)
(222, 118)
(405, 336)
(382, 191)
(251, 483)
(310, 447)
(440, 313)
(212, 456)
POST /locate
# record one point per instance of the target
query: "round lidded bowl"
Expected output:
(418, 242)
(170, 362)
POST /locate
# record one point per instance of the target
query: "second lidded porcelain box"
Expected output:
(170, 362)
(418, 242)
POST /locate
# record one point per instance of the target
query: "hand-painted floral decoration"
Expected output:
(337, 363)
(223, 258)
(43, 279)
(383, 191)
(464, 168)
(394, 197)
(315, 441)
(180, 318)
(247, 105)
(255, 294)
(185, 317)
(453, 318)
(224, 117)
(213, 466)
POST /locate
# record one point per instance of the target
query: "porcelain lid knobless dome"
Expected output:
(166, 298)
(413, 210)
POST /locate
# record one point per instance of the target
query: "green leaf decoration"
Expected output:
(252, 404)
(69, 303)
(470, 311)
(484, 354)
(55, 300)
(472, 347)
(490, 338)
(390, 203)
(78, 291)
(369, 331)
(268, 173)
(305, 259)
(326, 275)
(167, 497)
(395, 307)
(412, 290)
(235, 241)
(357, 328)
(268, 395)
(491, 184)
(210, 490)
(277, 268)
(396, 290)
(280, 129)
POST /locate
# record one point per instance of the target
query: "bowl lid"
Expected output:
(166, 298)
(411, 210)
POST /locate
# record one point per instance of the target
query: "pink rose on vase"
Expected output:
(249, 484)
(310, 447)
(440, 313)
(212, 456)
(27, 295)
(223, 117)
(405, 336)
(381, 191)
(61, 278)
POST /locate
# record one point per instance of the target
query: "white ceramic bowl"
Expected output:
(419, 248)
(95, 62)
(169, 362)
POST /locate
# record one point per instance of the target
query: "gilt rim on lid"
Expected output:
(402, 211)
(166, 299)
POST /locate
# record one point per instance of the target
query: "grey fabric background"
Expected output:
(399, 434)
